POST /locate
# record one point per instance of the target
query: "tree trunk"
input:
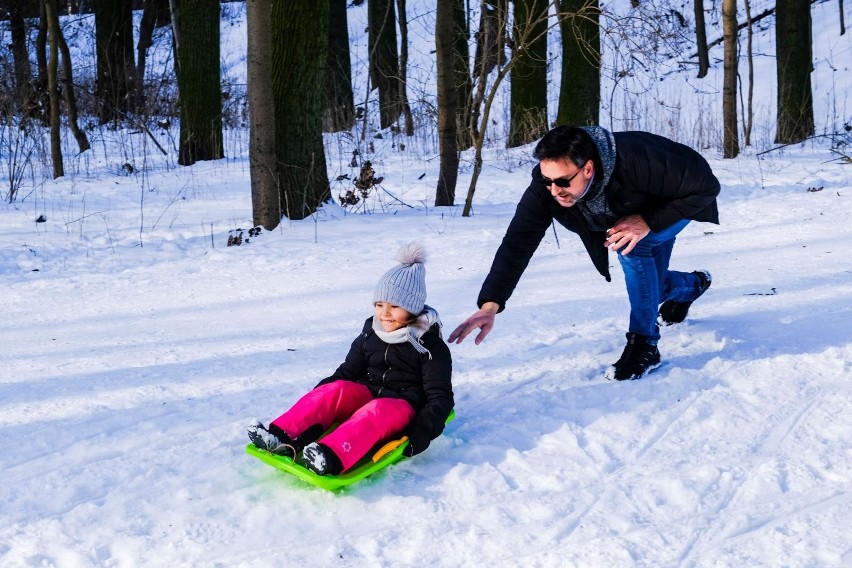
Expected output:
(265, 198)
(174, 12)
(528, 104)
(748, 119)
(199, 80)
(300, 48)
(41, 88)
(150, 16)
(339, 109)
(53, 87)
(463, 84)
(701, 39)
(490, 45)
(403, 67)
(384, 59)
(731, 142)
(492, 29)
(479, 137)
(445, 55)
(68, 90)
(793, 61)
(23, 71)
(580, 95)
(114, 39)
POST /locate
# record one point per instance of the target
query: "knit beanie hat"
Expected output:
(405, 284)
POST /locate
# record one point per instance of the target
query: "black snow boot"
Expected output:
(672, 312)
(638, 358)
(321, 460)
(278, 443)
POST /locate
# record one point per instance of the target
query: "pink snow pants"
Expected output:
(364, 420)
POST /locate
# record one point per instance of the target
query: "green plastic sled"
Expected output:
(386, 455)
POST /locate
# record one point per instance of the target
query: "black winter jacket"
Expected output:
(657, 178)
(399, 371)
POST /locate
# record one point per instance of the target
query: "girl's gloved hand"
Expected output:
(418, 440)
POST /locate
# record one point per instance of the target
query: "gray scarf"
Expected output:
(413, 331)
(594, 207)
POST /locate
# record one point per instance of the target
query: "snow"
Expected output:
(138, 347)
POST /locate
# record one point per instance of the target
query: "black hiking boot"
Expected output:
(672, 312)
(263, 439)
(321, 460)
(638, 358)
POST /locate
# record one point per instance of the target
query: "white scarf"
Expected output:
(411, 332)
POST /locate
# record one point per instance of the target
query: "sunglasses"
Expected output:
(560, 182)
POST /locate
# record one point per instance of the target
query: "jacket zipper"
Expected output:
(384, 375)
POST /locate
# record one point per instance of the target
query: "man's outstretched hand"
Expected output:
(483, 319)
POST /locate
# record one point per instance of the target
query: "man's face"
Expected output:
(565, 181)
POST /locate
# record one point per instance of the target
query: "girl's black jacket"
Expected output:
(657, 178)
(400, 371)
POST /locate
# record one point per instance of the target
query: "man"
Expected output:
(630, 192)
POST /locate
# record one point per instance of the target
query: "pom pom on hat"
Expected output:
(411, 253)
(405, 285)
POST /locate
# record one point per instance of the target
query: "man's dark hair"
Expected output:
(567, 142)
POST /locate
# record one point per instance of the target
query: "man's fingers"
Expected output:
(624, 239)
(481, 336)
(484, 323)
(463, 330)
(630, 246)
(458, 333)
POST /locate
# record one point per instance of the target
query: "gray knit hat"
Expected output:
(405, 284)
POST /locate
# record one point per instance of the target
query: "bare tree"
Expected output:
(793, 62)
(23, 70)
(384, 60)
(463, 80)
(580, 95)
(68, 91)
(403, 67)
(445, 45)
(490, 53)
(339, 109)
(174, 14)
(66, 80)
(299, 48)
(528, 102)
(116, 70)
(199, 81)
(525, 33)
(154, 13)
(53, 87)
(729, 83)
(265, 198)
(40, 84)
(489, 38)
(748, 110)
(701, 39)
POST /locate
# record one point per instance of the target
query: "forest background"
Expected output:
(298, 61)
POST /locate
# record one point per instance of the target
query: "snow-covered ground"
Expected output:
(137, 346)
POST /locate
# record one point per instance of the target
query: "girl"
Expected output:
(395, 380)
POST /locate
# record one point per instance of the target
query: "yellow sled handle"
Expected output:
(388, 448)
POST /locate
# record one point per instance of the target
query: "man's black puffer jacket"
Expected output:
(399, 371)
(657, 178)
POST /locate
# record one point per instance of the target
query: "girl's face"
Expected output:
(391, 317)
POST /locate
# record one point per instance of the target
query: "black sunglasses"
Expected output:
(560, 182)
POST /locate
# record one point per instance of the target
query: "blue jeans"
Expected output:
(650, 282)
